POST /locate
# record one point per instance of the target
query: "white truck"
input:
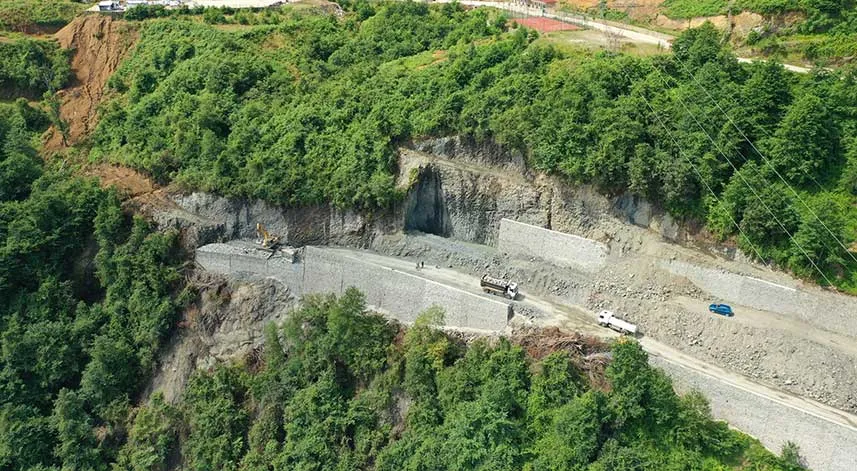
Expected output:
(499, 287)
(608, 319)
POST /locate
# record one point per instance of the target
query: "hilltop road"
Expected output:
(632, 33)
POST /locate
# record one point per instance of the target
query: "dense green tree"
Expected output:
(698, 46)
(26, 437)
(818, 237)
(151, 438)
(640, 399)
(804, 146)
(557, 383)
(769, 220)
(765, 96)
(110, 373)
(32, 67)
(574, 438)
(216, 420)
(77, 446)
(73, 349)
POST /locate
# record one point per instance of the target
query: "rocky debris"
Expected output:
(226, 323)
(774, 356)
(646, 295)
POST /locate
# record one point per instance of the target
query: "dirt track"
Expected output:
(772, 320)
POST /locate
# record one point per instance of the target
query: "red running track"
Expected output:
(545, 25)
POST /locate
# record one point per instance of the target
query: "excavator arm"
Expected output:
(267, 240)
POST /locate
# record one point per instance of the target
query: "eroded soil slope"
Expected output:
(98, 43)
(635, 8)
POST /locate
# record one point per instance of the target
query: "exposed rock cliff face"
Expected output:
(426, 207)
(461, 191)
(204, 218)
(455, 188)
(480, 184)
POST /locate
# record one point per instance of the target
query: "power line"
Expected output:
(690, 162)
(758, 172)
(735, 169)
(767, 161)
(731, 164)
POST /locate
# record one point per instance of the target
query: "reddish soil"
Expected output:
(634, 8)
(129, 182)
(99, 44)
(138, 192)
(545, 25)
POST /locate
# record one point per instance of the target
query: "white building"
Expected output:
(108, 5)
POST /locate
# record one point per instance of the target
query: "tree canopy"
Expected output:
(312, 109)
(338, 388)
(89, 296)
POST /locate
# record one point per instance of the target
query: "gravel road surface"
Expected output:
(827, 436)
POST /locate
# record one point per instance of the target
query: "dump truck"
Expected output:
(608, 319)
(508, 289)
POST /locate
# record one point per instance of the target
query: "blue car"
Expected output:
(722, 309)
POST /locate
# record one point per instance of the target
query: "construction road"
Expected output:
(827, 436)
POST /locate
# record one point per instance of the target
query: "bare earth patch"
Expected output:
(99, 44)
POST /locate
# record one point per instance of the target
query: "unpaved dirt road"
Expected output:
(772, 320)
(631, 33)
(547, 312)
(828, 435)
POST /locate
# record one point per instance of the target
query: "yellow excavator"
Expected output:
(266, 240)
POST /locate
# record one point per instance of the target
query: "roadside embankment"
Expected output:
(809, 304)
(525, 240)
(401, 295)
(398, 288)
(824, 445)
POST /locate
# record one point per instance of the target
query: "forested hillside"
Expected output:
(32, 67)
(29, 16)
(90, 296)
(87, 297)
(341, 389)
(300, 108)
(310, 110)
